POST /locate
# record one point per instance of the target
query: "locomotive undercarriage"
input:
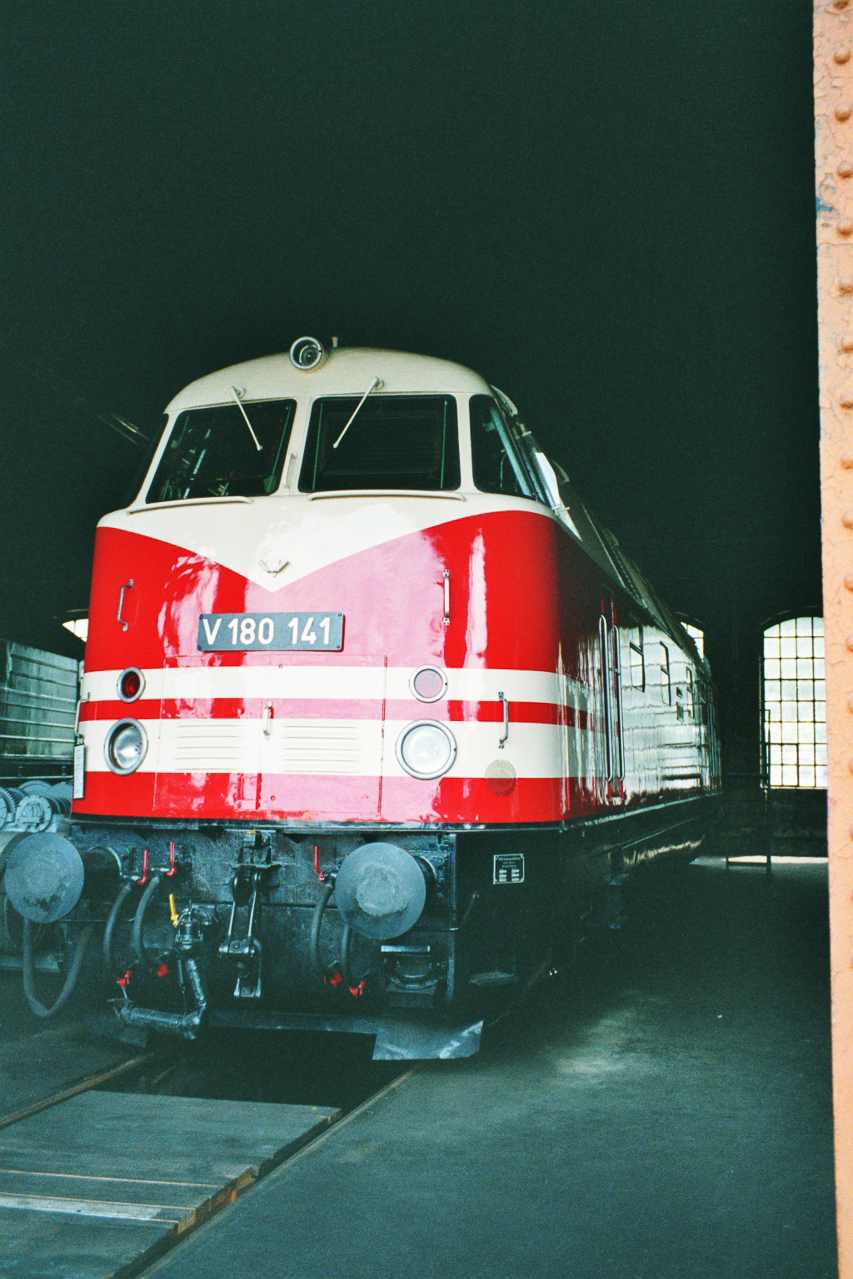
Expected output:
(232, 925)
(389, 931)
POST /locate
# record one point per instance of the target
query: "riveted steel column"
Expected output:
(833, 48)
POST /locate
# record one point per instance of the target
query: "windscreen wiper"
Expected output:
(376, 385)
(237, 401)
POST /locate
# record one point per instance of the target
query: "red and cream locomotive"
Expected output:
(372, 711)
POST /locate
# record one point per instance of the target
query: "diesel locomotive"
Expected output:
(374, 714)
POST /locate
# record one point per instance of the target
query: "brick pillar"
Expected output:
(833, 51)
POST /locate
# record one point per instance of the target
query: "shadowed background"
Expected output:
(606, 210)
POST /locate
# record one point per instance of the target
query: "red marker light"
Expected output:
(130, 684)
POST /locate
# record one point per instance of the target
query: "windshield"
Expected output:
(395, 442)
(211, 453)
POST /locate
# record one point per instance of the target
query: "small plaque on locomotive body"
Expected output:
(276, 632)
(78, 785)
(508, 868)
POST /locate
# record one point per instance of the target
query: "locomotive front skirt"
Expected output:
(373, 712)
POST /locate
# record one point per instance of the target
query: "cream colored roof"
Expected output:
(346, 371)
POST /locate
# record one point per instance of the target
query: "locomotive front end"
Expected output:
(320, 658)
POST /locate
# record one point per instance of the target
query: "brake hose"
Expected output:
(123, 893)
(346, 960)
(139, 918)
(316, 923)
(70, 981)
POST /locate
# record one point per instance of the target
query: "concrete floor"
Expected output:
(666, 1112)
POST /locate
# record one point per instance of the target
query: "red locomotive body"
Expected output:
(372, 710)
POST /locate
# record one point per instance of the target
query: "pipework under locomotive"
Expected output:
(373, 713)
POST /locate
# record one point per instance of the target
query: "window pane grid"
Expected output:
(795, 703)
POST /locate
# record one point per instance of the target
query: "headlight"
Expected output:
(306, 353)
(125, 746)
(426, 749)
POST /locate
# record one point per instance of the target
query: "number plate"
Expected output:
(244, 632)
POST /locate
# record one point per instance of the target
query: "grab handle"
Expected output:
(119, 618)
(505, 737)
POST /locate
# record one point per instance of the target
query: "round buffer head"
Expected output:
(380, 891)
(44, 877)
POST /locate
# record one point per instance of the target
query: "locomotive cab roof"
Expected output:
(344, 371)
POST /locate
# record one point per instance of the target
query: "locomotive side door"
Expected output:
(611, 697)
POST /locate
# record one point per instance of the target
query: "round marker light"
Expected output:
(426, 749)
(306, 353)
(125, 746)
(429, 684)
(130, 684)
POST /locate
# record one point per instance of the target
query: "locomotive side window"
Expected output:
(684, 700)
(638, 657)
(392, 442)
(498, 467)
(214, 452)
(665, 677)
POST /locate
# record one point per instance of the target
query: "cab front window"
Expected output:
(219, 452)
(390, 442)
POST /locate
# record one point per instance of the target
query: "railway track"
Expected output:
(96, 1080)
(101, 1178)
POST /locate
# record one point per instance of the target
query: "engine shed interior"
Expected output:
(612, 218)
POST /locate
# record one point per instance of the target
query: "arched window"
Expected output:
(795, 703)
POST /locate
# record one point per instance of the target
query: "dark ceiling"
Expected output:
(605, 209)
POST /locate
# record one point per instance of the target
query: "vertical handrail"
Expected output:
(503, 741)
(127, 586)
(619, 739)
(605, 690)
